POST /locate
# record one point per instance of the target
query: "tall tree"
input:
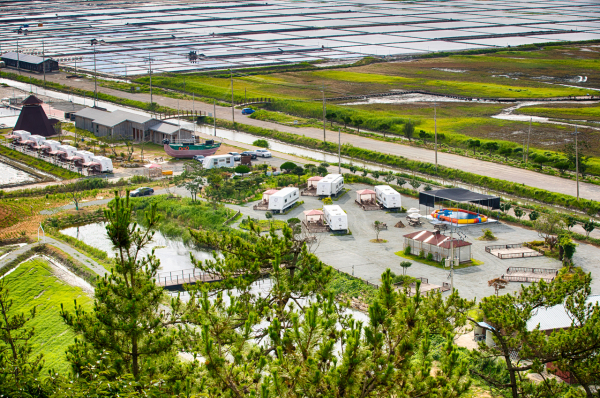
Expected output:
(19, 369)
(409, 129)
(128, 326)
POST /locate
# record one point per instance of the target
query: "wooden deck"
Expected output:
(315, 227)
(368, 205)
(261, 206)
(309, 192)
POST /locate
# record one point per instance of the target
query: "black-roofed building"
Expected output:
(29, 62)
(33, 118)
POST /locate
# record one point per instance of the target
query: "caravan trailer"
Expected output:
(68, 150)
(388, 197)
(38, 140)
(284, 198)
(22, 134)
(106, 165)
(218, 161)
(335, 217)
(331, 185)
(86, 156)
(51, 145)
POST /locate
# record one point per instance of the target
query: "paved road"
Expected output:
(530, 178)
(93, 265)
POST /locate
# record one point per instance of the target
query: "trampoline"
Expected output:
(459, 216)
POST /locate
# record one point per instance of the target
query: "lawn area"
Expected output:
(34, 284)
(265, 225)
(436, 264)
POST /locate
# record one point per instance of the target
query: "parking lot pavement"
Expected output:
(355, 253)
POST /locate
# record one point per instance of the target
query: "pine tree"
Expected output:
(291, 338)
(129, 327)
(18, 368)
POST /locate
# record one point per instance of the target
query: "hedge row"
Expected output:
(511, 188)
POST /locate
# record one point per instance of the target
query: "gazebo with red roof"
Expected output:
(312, 182)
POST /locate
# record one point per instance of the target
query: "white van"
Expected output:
(331, 185)
(218, 161)
(388, 197)
(335, 217)
(281, 200)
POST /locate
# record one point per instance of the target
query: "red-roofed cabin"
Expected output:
(437, 244)
(267, 194)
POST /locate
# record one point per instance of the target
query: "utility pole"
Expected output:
(18, 60)
(150, 66)
(576, 162)
(323, 113)
(232, 107)
(94, 43)
(44, 63)
(528, 136)
(215, 115)
(435, 132)
(245, 96)
(339, 151)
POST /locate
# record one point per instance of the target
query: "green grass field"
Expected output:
(34, 284)
(582, 112)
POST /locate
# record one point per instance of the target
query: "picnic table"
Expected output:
(440, 227)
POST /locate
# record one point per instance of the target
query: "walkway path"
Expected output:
(88, 262)
(504, 172)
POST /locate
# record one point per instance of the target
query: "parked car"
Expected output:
(248, 111)
(236, 156)
(143, 191)
(249, 153)
(199, 158)
(263, 153)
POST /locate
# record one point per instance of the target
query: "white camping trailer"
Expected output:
(51, 145)
(37, 139)
(388, 197)
(218, 161)
(331, 185)
(86, 156)
(106, 165)
(68, 150)
(335, 217)
(22, 134)
(283, 199)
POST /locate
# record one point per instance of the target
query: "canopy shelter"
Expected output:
(461, 195)
(313, 215)
(365, 195)
(312, 182)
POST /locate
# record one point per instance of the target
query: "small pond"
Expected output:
(173, 254)
(11, 175)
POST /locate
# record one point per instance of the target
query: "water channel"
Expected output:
(173, 254)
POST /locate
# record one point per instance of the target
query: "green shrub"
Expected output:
(430, 256)
(261, 143)
(327, 201)
(422, 254)
(268, 214)
(407, 250)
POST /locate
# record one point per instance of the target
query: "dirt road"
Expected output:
(500, 171)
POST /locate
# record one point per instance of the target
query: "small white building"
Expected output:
(330, 185)
(218, 161)
(388, 197)
(335, 217)
(283, 199)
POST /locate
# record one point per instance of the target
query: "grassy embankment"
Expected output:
(38, 164)
(33, 284)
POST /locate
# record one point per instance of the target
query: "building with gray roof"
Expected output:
(127, 125)
(29, 62)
